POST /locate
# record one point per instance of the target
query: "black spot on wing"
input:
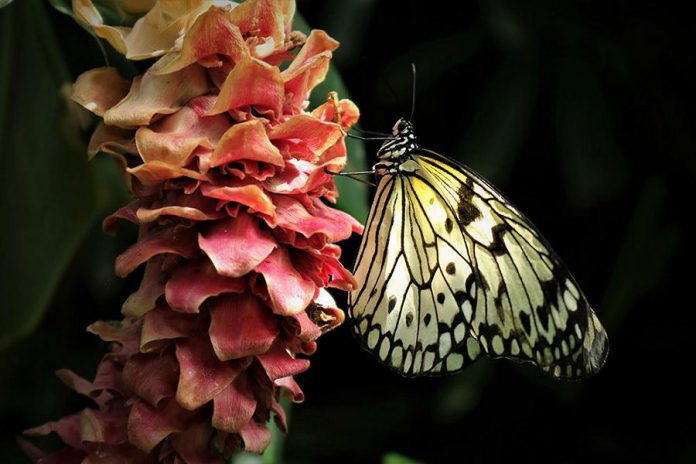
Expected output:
(467, 212)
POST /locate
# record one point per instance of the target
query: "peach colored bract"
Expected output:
(236, 238)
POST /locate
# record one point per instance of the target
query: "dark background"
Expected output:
(581, 112)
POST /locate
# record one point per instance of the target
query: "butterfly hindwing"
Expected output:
(450, 272)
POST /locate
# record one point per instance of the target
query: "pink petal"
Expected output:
(241, 326)
(323, 269)
(67, 428)
(266, 20)
(251, 83)
(152, 377)
(151, 288)
(211, 34)
(163, 324)
(156, 172)
(234, 406)
(109, 377)
(332, 224)
(333, 110)
(195, 207)
(194, 282)
(308, 131)
(256, 437)
(237, 245)
(148, 425)
(174, 138)
(305, 329)
(308, 69)
(151, 94)
(193, 445)
(107, 426)
(126, 333)
(289, 292)
(278, 363)
(177, 240)
(246, 140)
(202, 375)
(293, 390)
(280, 418)
(243, 192)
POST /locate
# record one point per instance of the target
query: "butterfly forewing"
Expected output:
(450, 271)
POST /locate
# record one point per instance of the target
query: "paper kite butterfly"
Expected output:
(449, 272)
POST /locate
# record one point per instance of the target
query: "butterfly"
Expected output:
(449, 272)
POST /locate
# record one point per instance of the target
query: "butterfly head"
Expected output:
(401, 144)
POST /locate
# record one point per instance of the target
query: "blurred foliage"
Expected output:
(579, 111)
(49, 192)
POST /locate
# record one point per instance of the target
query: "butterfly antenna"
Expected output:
(363, 131)
(413, 92)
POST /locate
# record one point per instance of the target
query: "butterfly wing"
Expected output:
(451, 271)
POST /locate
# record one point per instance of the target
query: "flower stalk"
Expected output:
(228, 172)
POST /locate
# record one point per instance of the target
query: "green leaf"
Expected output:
(4, 3)
(396, 458)
(46, 185)
(354, 195)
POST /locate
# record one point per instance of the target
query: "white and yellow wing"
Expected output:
(449, 271)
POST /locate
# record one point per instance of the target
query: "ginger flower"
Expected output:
(227, 169)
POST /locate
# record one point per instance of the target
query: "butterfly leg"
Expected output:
(352, 175)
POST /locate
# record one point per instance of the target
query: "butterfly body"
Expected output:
(449, 272)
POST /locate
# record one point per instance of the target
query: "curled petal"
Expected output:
(173, 139)
(156, 33)
(115, 142)
(289, 292)
(241, 326)
(245, 193)
(201, 374)
(88, 13)
(100, 89)
(293, 390)
(164, 324)
(151, 288)
(177, 240)
(291, 214)
(236, 246)
(152, 94)
(75, 382)
(308, 69)
(251, 82)
(149, 425)
(212, 34)
(268, 19)
(192, 445)
(234, 407)
(256, 437)
(192, 283)
(68, 429)
(307, 131)
(152, 377)
(156, 172)
(279, 363)
(343, 112)
(126, 333)
(323, 268)
(109, 377)
(247, 140)
(104, 426)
